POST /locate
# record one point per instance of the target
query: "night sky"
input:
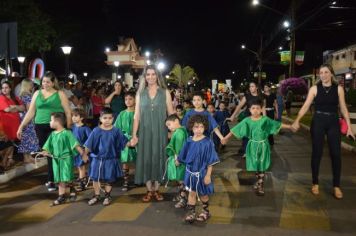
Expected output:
(206, 35)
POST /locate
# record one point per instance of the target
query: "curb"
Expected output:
(343, 144)
(20, 170)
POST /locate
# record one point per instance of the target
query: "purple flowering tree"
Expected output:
(297, 85)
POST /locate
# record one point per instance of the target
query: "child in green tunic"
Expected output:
(258, 153)
(125, 122)
(176, 171)
(62, 146)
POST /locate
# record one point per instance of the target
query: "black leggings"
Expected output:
(328, 125)
(43, 131)
(270, 114)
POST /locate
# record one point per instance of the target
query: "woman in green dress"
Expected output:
(153, 104)
(116, 99)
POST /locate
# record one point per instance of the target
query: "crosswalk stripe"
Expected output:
(40, 212)
(222, 207)
(124, 208)
(301, 210)
(7, 196)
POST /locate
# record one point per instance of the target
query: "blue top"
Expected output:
(106, 144)
(192, 112)
(197, 156)
(81, 133)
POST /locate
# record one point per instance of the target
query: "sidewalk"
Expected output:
(19, 170)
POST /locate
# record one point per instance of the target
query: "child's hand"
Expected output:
(134, 141)
(85, 158)
(176, 162)
(207, 179)
(223, 141)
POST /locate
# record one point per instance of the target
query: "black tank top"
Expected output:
(249, 98)
(327, 98)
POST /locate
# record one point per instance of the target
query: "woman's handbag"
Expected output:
(343, 126)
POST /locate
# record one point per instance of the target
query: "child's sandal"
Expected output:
(182, 203)
(108, 199)
(203, 216)
(94, 200)
(191, 216)
(60, 200)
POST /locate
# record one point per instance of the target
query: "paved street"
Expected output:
(287, 208)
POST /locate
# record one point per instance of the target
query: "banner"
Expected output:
(299, 57)
(285, 57)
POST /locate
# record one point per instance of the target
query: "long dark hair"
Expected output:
(12, 95)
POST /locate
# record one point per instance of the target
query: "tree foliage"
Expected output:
(181, 76)
(35, 33)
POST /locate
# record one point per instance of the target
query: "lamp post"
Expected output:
(66, 50)
(21, 61)
(116, 64)
(259, 60)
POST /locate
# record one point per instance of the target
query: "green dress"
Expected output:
(152, 137)
(61, 145)
(176, 173)
(258, 151)
(46, 106)
(124, 122)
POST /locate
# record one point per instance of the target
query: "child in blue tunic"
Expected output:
(105, 144)
(81, 132)
(198, 99)
(199, 156)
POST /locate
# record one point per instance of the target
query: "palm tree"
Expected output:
(181, 76)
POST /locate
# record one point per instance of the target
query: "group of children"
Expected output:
(191, 152)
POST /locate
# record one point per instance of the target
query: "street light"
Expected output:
(161, 66)
(286, 24)
(21, 61)
(66, 50)
(107, 49)
(147, 54)
(259, 59)
(116, 64)
(85, 74)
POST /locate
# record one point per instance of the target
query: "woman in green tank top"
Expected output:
(44, 102)
(153, 102)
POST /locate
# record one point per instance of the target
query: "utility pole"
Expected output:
(292, 40)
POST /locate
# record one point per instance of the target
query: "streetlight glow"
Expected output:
(243, 46)
(119, 76)
(255, 2)
(148, 62)
(66, 50)
(21, 59)
(147, 53)
(286, 24)
(85, 74)
(116, 63)
(167, 76)
(161, 66)
(280, 48)
(107, 49)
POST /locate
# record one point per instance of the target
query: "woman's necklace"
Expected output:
(327, 89)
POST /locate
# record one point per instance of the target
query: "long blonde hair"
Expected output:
(26, 86)
(331, 69)
(143, 84)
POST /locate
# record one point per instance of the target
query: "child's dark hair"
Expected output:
(188, 101)
(130, 94)
(80, 112)
(198, 94)
(106, 111)
(172, 117)
(198, 119)
(60, 117)
(255, 102)
(179, 107)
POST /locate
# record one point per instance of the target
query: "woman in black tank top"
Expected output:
(328, 97)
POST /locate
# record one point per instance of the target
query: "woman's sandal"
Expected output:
(158, 196)
(60, 200)
(147, 197)
(94, 200)
(338, 193)
(315, 189)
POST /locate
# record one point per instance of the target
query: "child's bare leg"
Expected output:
(61, 188)
(81, 170)
(96, 198)
(125, 186)
(61, 195)
(182, 196)
(108, 199)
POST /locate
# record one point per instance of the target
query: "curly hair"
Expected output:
(198, 119)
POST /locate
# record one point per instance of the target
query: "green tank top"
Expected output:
(46, 106)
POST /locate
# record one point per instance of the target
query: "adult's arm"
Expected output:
(136, 122)
(29, 115)
(275, 105)
(169, 103)
(238, 108)
(311, 95)
(344, 111)
(110, 97)
(66, 107)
